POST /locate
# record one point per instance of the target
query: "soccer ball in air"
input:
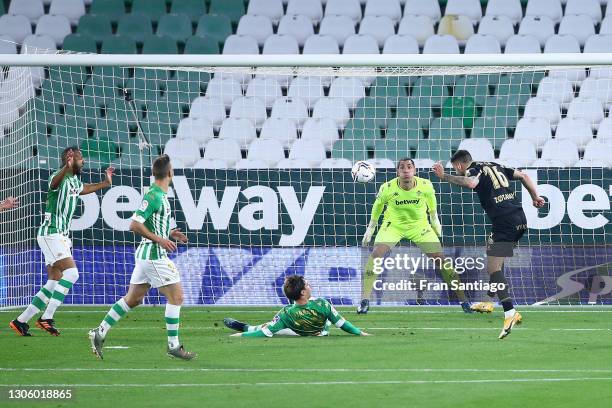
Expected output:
(363, 172)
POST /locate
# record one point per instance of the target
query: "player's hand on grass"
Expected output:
(8, 203)
(110, 172)
(365, 334)
(167, 244)
(438, 169)
(177, 235)
(538, 202)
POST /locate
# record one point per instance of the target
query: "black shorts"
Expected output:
(506, 231)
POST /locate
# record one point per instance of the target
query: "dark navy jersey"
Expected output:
(494, 190)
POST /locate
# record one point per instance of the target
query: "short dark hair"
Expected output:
(293, 287)
(403, 160)
(462, 156)
(68, 150)
(161, 167)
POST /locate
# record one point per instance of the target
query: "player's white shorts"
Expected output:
(161, 272)
(54, 247)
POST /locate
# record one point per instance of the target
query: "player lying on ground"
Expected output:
(64, 189)
(305, 317)
(9, 203)
(152, 267)
(406, 200)
(490, 181)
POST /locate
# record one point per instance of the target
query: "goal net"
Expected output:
(263, 185)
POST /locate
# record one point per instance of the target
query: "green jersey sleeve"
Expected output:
(337, 320)
(381, 200)
(149, 205)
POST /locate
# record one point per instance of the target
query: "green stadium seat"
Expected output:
(95, 26)
(159, 45)
(487, 128)
(176, 26)
(460, 107)
(404, 128)
(518, 92)
(69, 129)
(99, 151)
(234, 9)
(474, 86)
(183, 91)
(114, 9)
(117, 76)
(61, 77)
(415, 108)
(389, 88)
(136, 26)
(144, 89)
(447, 129)
(154, 9)
(392, 149)
(191, 8)
(217, 27)
(362, 129)
(80, 43)
(432, 88)
(48, 153)
(350, 149)
(504, 109)
(373, 108)
(436, 150)
(119, 44)
(201, 45)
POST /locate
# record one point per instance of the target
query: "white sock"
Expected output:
(70, 276)
(509, 313)
(173, 313)
(116, 312)
(39, 301)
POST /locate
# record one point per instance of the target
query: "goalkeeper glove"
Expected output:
(367, 237)
(435, 224)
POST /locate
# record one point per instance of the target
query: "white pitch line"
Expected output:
(376, 311)
(367, 328)
(277, 384)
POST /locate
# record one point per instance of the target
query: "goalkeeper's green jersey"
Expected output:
(154, 213)
(405, 208)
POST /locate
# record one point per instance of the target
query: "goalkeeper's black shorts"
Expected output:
(506, 231)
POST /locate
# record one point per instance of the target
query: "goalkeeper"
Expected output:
(305, 317)
(408, 200)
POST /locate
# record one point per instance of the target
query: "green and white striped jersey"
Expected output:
(154, 213)
(60, 205)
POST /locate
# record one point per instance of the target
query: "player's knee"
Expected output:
(133, 302)
(71, 274)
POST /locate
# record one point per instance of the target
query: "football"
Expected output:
(363, 172)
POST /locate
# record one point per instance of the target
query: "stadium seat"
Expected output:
(281, 44)
(349, 89)
(258, 27)
(600, 89)
(441, 44)
(590, 8)
(57, 27)
(349, 8)
(185, 150)
(558, 89)
(483, 44)
(488, 127)
(227, 150)
(226, 89)
(541, 27)
(498, 26)
(418, 27)
(577, 130)
(72, 9)
(423, 163)
(137, 26)
(598, 43)
(246, 164)
(391, 149)
(211, 108)
(266, 89)
(474, 86)
(15, 26)
(7, 45)
(459, 27)
(299, 27)
(362, 44)
(600, 72)
(159, 45)
(480, 149)
(339, 27)
(597, 150)
(294, 164)
(435, 149)
(233, 9)
(362, 129)
(401, 44)
(309, 89)
(417, 108)
(547, 163)
(117, 44)
(508, 8)
(333, 108)
(336, 163)
(154, 9)
(270, 151)
(460, 107)
(321, 129)
(604, 133)
(562, 43)
(545, 108)
(375, 107)
(201, 45)
(240, 44)
(522, 151)
(321, 44)
(447, 129)
(386, 8)
(251, 108)
(176, 26)
(533, 129)
(522, 44)
(349, 149)
(273, 9)
(38, 44)
(606, 26)
(564, 151)
(547, 8)
(198, 129)
(281, 129)
(587, 108)
(217, 27)
(408, 128)
(95, 26)
(32, 9)
(239, 129)
(579, 26)
(290, 108)
(428, 91)
(311, 9)
(214, 164)
(113, 9)
(80, 43)
(310, 150)
(469, 8)
(429, 8)
(591, 163)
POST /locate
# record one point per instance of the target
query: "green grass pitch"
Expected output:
(418, 357)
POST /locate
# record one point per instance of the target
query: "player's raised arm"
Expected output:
(377, 209)
(68, 158)
(9, 203)
(469, 181)
(108, 181)
(526, 181)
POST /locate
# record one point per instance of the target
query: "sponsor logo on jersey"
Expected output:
(144, 205)
(404, 202)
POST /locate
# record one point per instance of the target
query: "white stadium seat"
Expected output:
(563, 150)
(544, 108)
(258, 27)
(57, 27)
(429, 8)
(599, 43)
(558, 89)
(311, 9)
(281, 129)
(281, 44)
(591, 8)
(387, 8)
(322, 129)
(309, 89)
(580, 26)
(591, 163)
(251, 108)
(210, 164)
(587, 108)
(423, 163)
(239, 129)
(545, 163)
(600, 72)
(418, 27)
(9, 113)
(597, 150)
(266, 89)
(185, 150)
(32, 9)
(509, 8)
(198, 129)
(497, 26)
(541, 27)
(483, 44)
(606, 25)
(240, 44)
(211, 108)
(336, 164)
(18, 85)
(321, 44)
(549, 8)
(441, 44)
(561, 44)
(333, 108)
(72, 9)
(362, 44)
(7, 45)
(604, 133)
(227, 150)
(311, 151)
(470, 8)
(600, 89)
(226, 89)
(269, 151)
(577, 130)
(349, 89)
(401, 44)
(15, 26)
(294, 164)
(349, 8)
(459, 27)
(480, 148)
(299, 27)
(521, 151)
(339, 27)
(245, 164)
(290, 108)
(535, 130)
(574, 75)
(379, 27)
(273, 9)
(382, 163)
(38, 44)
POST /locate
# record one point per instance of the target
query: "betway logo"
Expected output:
(400, 202)
(263, 213)
(598, 200)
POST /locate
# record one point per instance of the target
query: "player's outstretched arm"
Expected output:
(528, 183)
(377, 210)
(8, 203)
(464, 181)
(57, 179)
(108, 181)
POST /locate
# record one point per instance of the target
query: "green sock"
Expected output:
(449, 275)
(368, 278)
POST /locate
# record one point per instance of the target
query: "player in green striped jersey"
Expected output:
(152, 267)
(64, 189)
(306, 316)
